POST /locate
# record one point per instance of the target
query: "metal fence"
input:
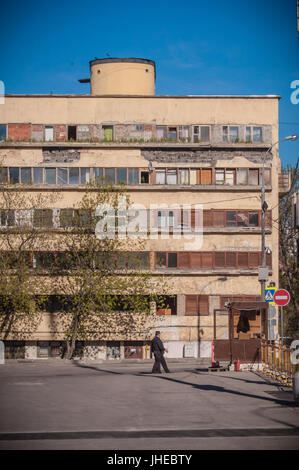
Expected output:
(276, 362)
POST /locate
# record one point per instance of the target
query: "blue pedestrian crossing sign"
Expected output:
(269, 293)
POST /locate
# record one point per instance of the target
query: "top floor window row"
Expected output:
(196, 133)
(134, 176)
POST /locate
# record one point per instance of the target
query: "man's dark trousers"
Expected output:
(159, 359)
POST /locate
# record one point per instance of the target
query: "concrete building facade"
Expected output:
(206, 150)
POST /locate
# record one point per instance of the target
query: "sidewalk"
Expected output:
(196, 361)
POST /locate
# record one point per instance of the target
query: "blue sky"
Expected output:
(200, 47)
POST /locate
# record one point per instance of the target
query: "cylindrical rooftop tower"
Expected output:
(124, 76)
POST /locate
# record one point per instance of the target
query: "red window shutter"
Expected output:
(203, 304)
(184, 260)
(253, 260)
(196, 219)
(207, 259)
(231, 259)
(219, 259)
(191, 305)
(206, 176)
(207, 218)
(243, 260)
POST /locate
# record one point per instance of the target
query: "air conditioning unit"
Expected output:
(189, 350)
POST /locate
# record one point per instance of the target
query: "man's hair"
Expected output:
(157, 333)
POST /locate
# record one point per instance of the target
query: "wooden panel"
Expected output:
(242, 260)
(253, 261)
(219, 218)
(203, 305)
(269, 260)
(207, 218)
(184, 259)
(195, 260)
(231, 259)
(207, 259)
(198, 176)
(191, 305)
(206, 176)
(219, 259)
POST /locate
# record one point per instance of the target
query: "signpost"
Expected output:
(269, 294)
(281, 298)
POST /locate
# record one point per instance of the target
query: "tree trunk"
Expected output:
(71, 343)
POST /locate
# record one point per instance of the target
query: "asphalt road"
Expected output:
(123, 406)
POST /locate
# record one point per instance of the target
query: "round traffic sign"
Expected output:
(281, 297)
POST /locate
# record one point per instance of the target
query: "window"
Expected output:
(172, 133)
(44, 259)
(62, 176)
(184, 133)
(161, 132)
(160, 175)
(121, 175)
(66, 218)
(7, 217)
(109, 176)
(2, 131)
(43, 218)
(72, 132)
(184, 176)
(254, 134)
(253, 219)
(26, 175)
(231, 218)
(74, 176)
(172, 260)
(197, 305)
(14, 175)
(50, 175)
(161, 219)
(161, 260)
(139, 127)
(3, 174)
(219, 176)
(242, 176)
(38, 175)
(230, 134)
(98, 175)
(171, 176)
(144, 177)
(230, 177)
(169, 260)
(253, 176)
(242, 219)
(201, 133)
(133, 175)
(84, 175)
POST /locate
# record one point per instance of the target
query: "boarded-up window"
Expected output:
(193, 176)
(203, 304)
(268, 218)
(242, 176)
(253, 177)
(206, 176)
(253, 260)
(267, 176)
(269, 260)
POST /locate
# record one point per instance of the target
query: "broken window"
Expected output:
(172, 133)
(72, 132)
(184, 133)
(62, 176)
(144, 177)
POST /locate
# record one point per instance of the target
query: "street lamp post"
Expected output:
(264, 208)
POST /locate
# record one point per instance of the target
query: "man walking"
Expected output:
(158, 350)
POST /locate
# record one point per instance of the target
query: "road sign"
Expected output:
(281, 297)
(269, 294)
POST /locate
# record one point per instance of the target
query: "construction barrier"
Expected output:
(276, 362)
